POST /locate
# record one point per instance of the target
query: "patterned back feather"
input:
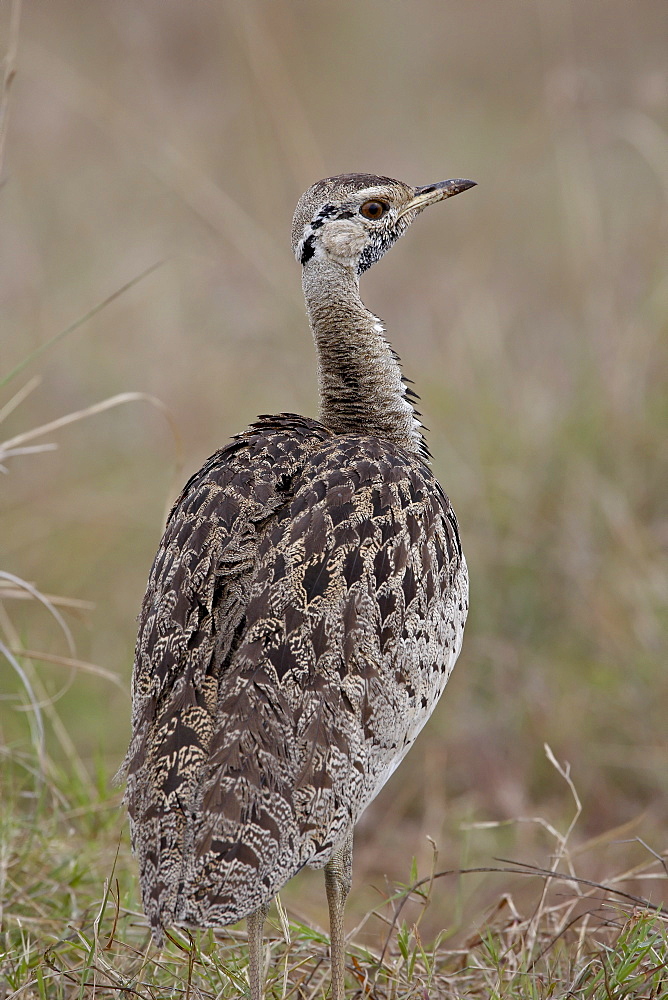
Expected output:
(303, 614)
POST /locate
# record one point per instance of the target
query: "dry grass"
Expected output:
(73, 927)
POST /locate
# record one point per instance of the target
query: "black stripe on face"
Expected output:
(327, 212)
(308, 249)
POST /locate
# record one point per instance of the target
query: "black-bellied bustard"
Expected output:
(303, 613)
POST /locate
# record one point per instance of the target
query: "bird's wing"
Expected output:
(353, 621)
(191, 618)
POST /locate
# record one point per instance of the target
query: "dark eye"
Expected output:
(374, 209)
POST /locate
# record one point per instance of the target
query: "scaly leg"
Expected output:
(338, 879)
(254, 925)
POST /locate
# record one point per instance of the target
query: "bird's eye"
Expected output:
(374, 209)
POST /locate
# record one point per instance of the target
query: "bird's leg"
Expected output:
(338, 879)
(254, 924)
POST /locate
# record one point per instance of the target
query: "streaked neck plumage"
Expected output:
(361, 386)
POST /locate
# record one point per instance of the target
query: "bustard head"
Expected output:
(354, 218)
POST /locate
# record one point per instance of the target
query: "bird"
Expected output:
(303, 613)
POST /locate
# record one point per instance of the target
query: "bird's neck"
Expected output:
(361, 385)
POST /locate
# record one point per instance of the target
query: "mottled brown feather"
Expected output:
(289, 650)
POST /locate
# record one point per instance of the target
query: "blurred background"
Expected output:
(532, 313)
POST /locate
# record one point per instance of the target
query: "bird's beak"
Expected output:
(431, 193)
